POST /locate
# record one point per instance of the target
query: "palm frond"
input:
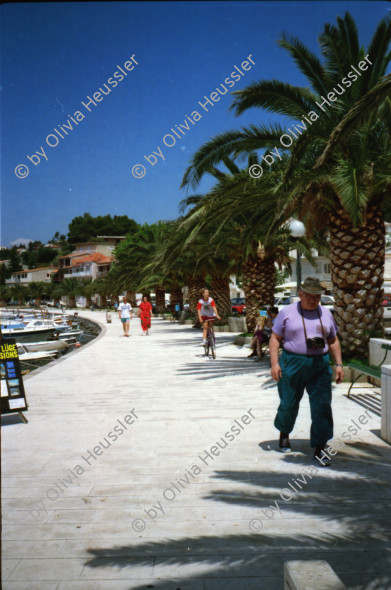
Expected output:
(361, 110)
(275, 96)
(307, 62)
(229, 144)
(340, 47)
(377, 52)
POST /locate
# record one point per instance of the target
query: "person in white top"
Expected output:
(207, 312)
(125, 313)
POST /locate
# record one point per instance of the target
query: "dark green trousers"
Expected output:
(313, 373)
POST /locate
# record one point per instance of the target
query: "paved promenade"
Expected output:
(146, 465)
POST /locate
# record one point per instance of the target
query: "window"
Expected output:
(327, 268)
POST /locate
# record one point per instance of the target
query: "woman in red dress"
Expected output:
(145, 314)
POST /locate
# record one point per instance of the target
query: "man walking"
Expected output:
(308, 332)
(125, 313)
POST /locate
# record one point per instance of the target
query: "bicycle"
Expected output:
(211, 340)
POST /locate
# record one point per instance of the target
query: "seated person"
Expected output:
(272, 313)
(256, 343)
(262, 335)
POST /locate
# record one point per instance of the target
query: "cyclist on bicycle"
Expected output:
(207, 312)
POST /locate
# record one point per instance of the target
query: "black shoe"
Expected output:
(251, 355)
(320, 457)
(284, 444)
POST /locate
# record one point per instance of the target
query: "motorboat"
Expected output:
(46, 345)
(70, 335)
(42, 329)
(26, 355)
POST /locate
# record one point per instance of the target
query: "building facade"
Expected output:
(31, 275)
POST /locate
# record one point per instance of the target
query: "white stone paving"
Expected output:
(70, 528)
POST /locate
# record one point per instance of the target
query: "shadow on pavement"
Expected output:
(215, 368)
(370, 401)
(341, 514)
(9, 419)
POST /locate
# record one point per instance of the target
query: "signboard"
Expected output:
(13, 398)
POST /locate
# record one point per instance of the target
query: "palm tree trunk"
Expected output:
(176, 297)
(131, 296)
(195, 285)
(160, 298)
(221, 295)
(357, 269)
(259, 282)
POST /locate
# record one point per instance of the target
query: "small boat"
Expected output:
(46, 345)
(26, 355)
(28, 333)
(70, 336)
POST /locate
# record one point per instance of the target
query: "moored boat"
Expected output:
(25, 355)
(46, 345)
(34, 330)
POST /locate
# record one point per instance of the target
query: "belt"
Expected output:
(306, 355)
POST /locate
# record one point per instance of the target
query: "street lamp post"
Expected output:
(297, 230)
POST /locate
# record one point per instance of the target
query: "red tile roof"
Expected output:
(93, 257)
(72, 255)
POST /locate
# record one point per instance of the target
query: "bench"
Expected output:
(370, 370)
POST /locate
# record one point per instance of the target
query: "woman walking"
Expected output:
(145, 315)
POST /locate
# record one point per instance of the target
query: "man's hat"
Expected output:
(311, 286)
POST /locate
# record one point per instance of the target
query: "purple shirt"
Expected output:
(289, 325)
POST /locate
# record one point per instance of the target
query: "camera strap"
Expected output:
(320, 319)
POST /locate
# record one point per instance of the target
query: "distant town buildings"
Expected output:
(90, 260)
(30, 275)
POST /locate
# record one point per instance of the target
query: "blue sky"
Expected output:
(57, 54)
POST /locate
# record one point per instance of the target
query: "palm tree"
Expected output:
(87, 288)
(135, 268)
(102, 286)
(351, 182)
(54, 290)
(4, 294)
(243, 235)
(19, 291)
(37, 289)
(70, 287)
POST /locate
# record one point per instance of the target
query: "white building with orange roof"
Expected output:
(82, 264)
(31, 275)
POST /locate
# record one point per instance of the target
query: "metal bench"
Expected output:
(370, 370)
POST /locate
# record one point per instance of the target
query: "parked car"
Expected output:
(238, 305)
(386, 304)
(281, 301)
(325, 300)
